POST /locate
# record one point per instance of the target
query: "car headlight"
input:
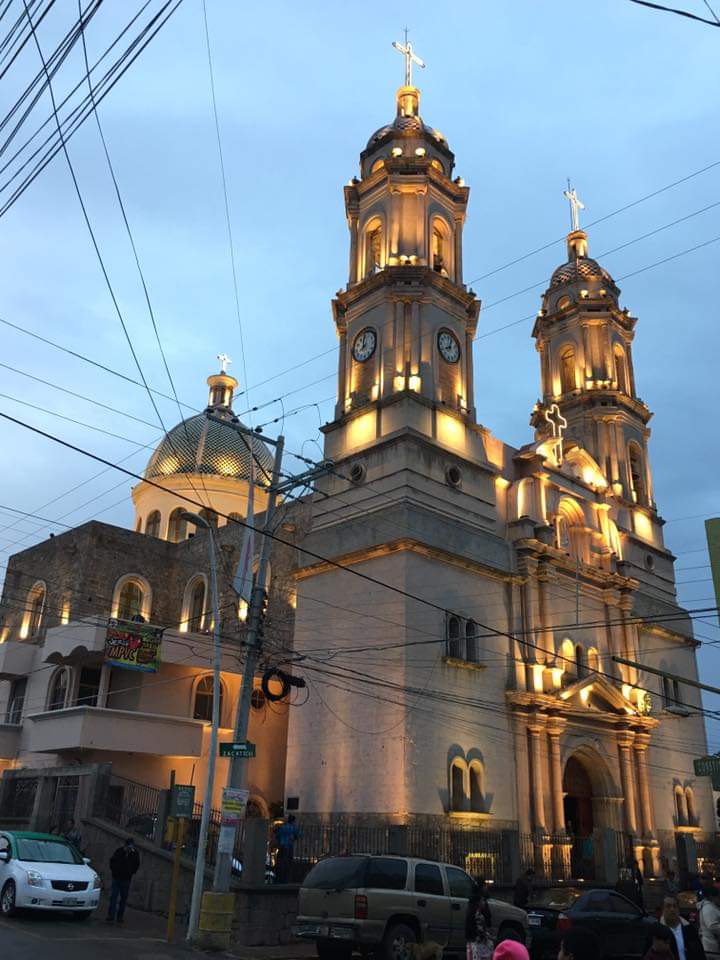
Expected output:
(97, 882)
(34, 878)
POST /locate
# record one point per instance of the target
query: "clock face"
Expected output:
(448, 346)
(364, 345)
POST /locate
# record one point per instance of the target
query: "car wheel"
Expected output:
(508, 931)
(396, 942)
(82, 914)
(7, 899)
(332, 950)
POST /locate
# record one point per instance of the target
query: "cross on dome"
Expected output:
(224, 361)
(410, 58)
(575, 205)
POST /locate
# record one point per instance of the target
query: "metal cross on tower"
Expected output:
(224, 361)
(410, 58)
(575, 205)
(558, 423)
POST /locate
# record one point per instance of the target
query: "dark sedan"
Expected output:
(620, 927)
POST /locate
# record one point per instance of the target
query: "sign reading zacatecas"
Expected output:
(133, 646)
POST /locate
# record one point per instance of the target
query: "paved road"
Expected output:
(59, 937)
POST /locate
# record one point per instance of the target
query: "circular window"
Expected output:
(357, 473)
(649, 561)
(453, 475)
(257, 699)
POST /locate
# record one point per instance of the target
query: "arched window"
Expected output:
(580, 664)
(457, 786)
(562, 534)
(681, 811)
(568, 381)
(152, 524)
(131, 602)
(690, 806)
(567, 657)
(203, 706)
(177, 526)
(471, 642)
(373, 247)
(477, 792)
(196, 605)
(667, 692)
(454, 644)
(593, 660)
(637, 474)
(440, 252)
(35, 608)
(377, 165)
(621, 372)
(58, 690)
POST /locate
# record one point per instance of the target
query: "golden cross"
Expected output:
(410, 58)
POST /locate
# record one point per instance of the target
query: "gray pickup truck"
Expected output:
(382, 904)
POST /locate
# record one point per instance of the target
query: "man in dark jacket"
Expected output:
(523, 888)
(686, 943)
(124, 864)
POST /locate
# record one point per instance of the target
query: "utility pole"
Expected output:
(210, 781)
(237, 775)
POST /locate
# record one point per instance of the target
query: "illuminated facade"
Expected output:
(496, 701)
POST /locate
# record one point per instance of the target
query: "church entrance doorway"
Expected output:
(579, 822)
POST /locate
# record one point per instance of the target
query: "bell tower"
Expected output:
(584, 339)
(405, 321)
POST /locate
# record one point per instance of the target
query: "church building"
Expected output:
(469, 617)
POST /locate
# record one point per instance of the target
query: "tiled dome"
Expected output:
(200, 445)
(406, 126)
(582, 268)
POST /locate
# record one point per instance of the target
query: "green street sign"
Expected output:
(182, 800)
(707, 767)
(234, 750)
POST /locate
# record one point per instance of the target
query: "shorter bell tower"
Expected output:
(584, 339)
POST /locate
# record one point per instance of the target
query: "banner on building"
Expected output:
(133, 646)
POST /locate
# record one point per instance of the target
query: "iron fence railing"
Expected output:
(136, 807)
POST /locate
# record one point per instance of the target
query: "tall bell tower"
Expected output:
(584, 339)
(405, 321)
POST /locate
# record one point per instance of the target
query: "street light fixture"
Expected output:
(199, 876)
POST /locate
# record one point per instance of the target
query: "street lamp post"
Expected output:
(210, 780)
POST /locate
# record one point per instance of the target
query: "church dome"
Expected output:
(199, 445)
(407, 126)
(580, 268)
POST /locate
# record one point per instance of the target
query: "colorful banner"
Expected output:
(133, 646)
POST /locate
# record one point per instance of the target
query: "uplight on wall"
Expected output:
(415, 382)
(65, 613)
(242, 610)
(585, 694)
(399, 381)
(396, 151)
(420, 151)
(557, 675)
(538, 670)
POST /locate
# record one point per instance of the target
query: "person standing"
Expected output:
(285, 836)
(523, 888)
(478, 920)
(687, 944)
(709, 922)
(124, 864)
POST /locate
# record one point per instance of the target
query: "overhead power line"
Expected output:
(679, 13)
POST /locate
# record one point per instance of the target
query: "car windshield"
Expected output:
(557, 898)
(337, 873)
(45, 851)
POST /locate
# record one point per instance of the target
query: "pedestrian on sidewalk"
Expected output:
(524, 888)
(687, 944)
(709, 922)
(124, 864)
(478, 920)
(285, 836)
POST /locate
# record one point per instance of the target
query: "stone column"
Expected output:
(555, 728)
(641, 744)
(537, 780)
(625, 742)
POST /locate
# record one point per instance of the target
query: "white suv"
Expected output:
(45, 872)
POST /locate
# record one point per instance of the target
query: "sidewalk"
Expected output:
(289, 951)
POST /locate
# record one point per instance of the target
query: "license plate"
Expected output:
(534, 920)
(75, 903)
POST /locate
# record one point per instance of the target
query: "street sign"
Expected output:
(182, 800)
(234, 750)
(707, 766)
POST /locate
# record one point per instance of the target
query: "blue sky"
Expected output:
(616, 96)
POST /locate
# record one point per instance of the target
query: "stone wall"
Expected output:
(263, 915)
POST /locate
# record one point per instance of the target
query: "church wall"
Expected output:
(354, 731)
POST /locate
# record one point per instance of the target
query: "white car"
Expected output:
(41, 871)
